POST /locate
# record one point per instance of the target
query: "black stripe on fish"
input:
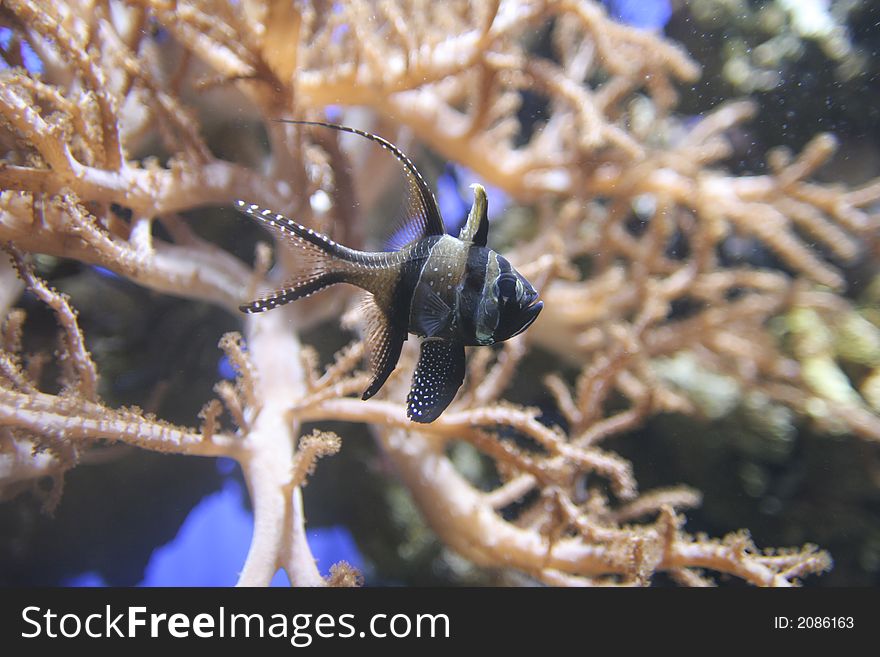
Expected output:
(386, 329)
(472, 290)
(435, 295)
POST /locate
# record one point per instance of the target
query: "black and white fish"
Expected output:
(453, 292)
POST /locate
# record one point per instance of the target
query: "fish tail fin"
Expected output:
(294, 289)
(319, 262)
(296, 234)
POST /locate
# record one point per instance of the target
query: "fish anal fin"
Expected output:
(384, 342)
(438, 376)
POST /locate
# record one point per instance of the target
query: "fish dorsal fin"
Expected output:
(438, 376)
(476, 229)
(383, 342)
(423, 216)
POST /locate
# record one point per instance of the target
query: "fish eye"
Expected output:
(507, 287)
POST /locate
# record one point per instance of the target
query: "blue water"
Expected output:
(646, 14)
(212, 543)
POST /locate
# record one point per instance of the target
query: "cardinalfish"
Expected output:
(452, 292)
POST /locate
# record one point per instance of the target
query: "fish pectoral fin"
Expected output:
(438, 376)
(384, 342)
(436, 315)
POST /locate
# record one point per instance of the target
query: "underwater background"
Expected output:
(132, 517)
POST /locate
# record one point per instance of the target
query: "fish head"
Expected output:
(514, 300)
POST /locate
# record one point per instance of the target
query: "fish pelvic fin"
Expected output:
(438, 376)
(384, 341)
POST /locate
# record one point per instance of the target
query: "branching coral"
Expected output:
(610, 176)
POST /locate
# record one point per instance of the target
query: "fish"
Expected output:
(452, 292)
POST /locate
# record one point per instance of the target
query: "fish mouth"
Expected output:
(529, 315)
